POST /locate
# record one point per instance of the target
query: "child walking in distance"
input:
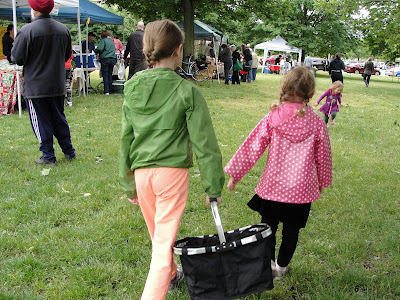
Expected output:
(299, 163)
(333, 97)
(164, 118)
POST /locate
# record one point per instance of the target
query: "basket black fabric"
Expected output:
(242, 270)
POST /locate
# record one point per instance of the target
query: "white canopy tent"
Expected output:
(276, 44)
(24, 4)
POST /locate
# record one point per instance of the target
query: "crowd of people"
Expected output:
(243, 64)
(109, 47)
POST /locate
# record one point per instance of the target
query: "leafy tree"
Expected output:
(317, 28)
(305, 25)
(187, 10)
(381, 28)
(376, 22)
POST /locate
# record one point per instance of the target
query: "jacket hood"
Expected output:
(147, 91)
(295, 129)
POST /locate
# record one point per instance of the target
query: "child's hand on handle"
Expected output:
(134, 201)
(232, 183)
(315, 104)
(219, 200)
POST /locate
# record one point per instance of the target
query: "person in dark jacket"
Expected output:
(43, 47)
(8, 40)
(90, 43)
(368, 67)
(226, 57)
(235, 58)
(134, 47)
(278, 59)
(335, 68)
(248, 59)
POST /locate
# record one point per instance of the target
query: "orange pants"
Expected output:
(162, 194)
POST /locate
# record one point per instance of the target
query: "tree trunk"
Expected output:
(188, 23)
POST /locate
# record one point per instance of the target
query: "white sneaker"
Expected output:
(277, 271)
(69, 103)
(177, 280)
(107, 94)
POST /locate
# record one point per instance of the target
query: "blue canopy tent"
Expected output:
(66, 12)
(97, 14)
(12, 15)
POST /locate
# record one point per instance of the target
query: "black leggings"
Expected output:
(366, 78)
(235, 77)
(333, 115)
(290, 236)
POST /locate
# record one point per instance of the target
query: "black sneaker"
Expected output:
(177, 280)
(42, 161)
(70, 157)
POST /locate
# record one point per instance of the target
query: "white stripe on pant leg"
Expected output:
(34, 121)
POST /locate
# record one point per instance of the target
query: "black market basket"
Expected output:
(227, 265)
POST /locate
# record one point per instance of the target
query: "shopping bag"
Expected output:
(121, 71)
(237, 66)
(96, 63)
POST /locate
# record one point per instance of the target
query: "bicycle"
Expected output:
(193, 70)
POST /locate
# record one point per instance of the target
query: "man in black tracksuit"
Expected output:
(134, 46)
(43, 47)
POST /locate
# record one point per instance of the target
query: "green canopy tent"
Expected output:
(203, 31)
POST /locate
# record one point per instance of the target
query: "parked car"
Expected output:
(270, 60)
(319, 63)
(393, 71)
(380, 65)
(358, 68)
(350, 62)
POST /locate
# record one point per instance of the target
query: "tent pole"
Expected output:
(216, 61)
(264, 58)
(87, 59)
(78, 20)
(123, 34)
(14, 6)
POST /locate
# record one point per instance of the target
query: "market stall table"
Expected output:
(91, 65)
(8, 90)
(274, 68)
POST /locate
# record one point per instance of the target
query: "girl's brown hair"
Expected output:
(160, 40)
(337, 87)
(299, 84)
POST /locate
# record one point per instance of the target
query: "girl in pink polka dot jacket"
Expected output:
(299, 163)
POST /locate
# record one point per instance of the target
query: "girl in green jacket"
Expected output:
(164, 118)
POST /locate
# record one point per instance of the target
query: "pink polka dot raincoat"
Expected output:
(299, 159)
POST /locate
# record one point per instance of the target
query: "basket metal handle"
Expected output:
(217, 220)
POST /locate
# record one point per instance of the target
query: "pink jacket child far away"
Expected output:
(331, 100)
(299, 160)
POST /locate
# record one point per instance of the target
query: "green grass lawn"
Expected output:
(73, 235)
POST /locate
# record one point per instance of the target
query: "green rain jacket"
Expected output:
(163, 117)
